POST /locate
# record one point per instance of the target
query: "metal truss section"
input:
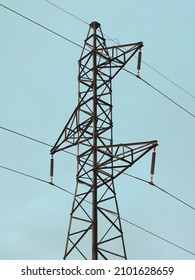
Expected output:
(95, 230)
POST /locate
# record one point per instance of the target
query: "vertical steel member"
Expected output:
(94, 25)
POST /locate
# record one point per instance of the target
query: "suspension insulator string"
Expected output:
(51, 169)
(152, 166)
(139, 63)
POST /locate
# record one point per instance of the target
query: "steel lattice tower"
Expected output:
(95, 217)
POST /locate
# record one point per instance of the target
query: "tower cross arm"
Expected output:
(124, 154)
(73, 133)
(124, 52)
(124, 47)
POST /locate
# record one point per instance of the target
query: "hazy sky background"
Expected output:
(38, 87)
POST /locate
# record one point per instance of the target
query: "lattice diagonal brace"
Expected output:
(95, 229)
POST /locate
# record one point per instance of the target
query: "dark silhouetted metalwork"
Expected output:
(95, 220)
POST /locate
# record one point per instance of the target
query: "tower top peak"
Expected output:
(95, 25)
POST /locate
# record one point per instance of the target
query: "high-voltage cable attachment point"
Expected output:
(139, 63)
(51, 169)
(152, 166)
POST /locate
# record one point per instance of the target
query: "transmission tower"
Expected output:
(95, 230)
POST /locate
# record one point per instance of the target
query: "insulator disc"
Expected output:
(51, 167)
(139, 60)
(153, 163)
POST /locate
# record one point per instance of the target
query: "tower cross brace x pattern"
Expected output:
(95, 217)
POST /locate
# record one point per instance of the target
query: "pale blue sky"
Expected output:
(38, 86)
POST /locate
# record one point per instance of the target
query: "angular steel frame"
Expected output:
(95, 217)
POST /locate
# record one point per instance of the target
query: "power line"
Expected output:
(159, 188)
(42, 26)
(76, 17)
(70, 41)
(123, 219)
(127, 174)
(31, 138)
(34, 177)
(25, 136)
(158, 236)
(171, 81)
(188, 112)
(113, 40)
(67, 12)
(173, 196)
(163, 94)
